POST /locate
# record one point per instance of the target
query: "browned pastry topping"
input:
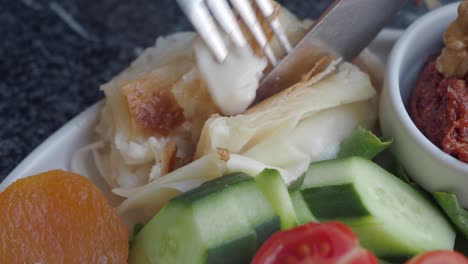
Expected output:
(156, 111)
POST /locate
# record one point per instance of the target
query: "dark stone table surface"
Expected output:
(54, 54)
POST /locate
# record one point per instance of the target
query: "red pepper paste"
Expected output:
(439, 108)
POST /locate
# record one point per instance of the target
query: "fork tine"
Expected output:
(198, 13)
(226, 19)
(244, 8)
(268, 10)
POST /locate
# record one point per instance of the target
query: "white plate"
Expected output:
(57, 150)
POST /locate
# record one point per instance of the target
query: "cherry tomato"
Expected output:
(314, 243)
(439, 257)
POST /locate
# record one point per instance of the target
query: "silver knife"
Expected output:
(344, 30)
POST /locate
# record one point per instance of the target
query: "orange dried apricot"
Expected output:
(59, 217)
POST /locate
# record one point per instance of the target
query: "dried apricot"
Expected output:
(59, 217)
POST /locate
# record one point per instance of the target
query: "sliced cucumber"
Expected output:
(296, 184)
(390, 218)
(260, 214)
(252, 203)
(168, 238)
(222, 221)
(223, 228)
(214, 186)
(303, 213)
(274, 188)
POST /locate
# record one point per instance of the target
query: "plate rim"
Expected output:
(19, 171)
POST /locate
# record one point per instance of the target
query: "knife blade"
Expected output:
(344, 30)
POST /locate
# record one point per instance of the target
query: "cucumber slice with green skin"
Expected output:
(222, 221)
(223, 228)
(253, 204)
(275, 190)
(390, 217)
(168, 238)
(206, 231)
(214, 186)
(217, 203)
(351, 207)
(249, 199)
(303, 213)
(296, 184)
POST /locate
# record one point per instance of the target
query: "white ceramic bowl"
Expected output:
(429, 166)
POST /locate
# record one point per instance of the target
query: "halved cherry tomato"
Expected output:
(314, 243)
(439, 257)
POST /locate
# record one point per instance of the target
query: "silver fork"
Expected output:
(215, 19)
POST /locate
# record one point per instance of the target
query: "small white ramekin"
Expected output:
(429, 166)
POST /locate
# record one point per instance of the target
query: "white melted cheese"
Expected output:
(232, 84)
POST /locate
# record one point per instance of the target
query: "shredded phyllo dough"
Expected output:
(162, 130)
(305, 122)
(155, 110)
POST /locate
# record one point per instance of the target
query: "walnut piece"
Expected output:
(453, 61)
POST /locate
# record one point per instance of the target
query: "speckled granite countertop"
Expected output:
(54, 54)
